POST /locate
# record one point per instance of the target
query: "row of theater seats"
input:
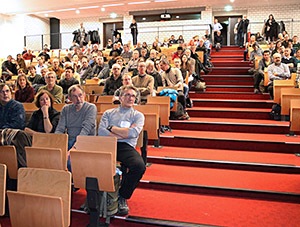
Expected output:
(43, 196)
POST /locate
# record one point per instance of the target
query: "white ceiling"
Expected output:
(63, 9)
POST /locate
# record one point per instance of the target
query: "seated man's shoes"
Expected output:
(123, 208)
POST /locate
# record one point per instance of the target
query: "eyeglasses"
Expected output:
(129, 95)
(116, 68)
(5, 91)
(50, 77)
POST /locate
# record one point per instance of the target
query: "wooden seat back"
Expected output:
(3, 170)
(46, 158)
(43, 198)
(286, 95)
(278, 85)
(29, 107)
(295, 115)
(104, 99)
(8, 156)
(152, 114)
(59, 106)
(27, 210)
(51, 144)
(94, 156)
(164, 103)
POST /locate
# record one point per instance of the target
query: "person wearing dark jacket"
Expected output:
(12, 113)
(271, 28)
(46, 118)
(134, 31)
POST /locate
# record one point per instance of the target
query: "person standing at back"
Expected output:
(134, 31)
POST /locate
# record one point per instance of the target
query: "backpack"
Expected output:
(178, 114)
(275, 112)
(100, 203)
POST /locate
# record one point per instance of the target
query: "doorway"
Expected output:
(109, 29)
(228, 23)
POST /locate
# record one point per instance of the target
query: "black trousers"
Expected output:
(133, 161)
(134, 38)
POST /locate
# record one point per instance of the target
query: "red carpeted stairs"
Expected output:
(229, 165)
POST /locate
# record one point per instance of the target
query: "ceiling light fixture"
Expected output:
(63, 10)
(138, 3)
(159, 1)
(232, 1)
(77, 11)
(112, 5)
(89, 7)
(113, 15)
(103, 9)
(228, 8)
(45, 12)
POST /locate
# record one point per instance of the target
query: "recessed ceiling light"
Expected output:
(228, 8)
(77, 11)
(113, 15)
(144, 18)
(177, 17)
(102, 9)
(231, 1)
(46, 14)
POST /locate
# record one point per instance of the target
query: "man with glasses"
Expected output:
(78, 118)
(51, 86)
(125, 123)
(114, 81)
(277, 71)
(85, 71)
(12, 113)
(12, 118)
(100, 69)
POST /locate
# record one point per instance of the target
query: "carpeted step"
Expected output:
(231, 63)
(212, 210)
(247, 78)
(229, 82)
(229, 88)
(235, 103)
(229, 70)
(272, 183)
(232, 125)
(231, 141)
(228, 95)
(224, 159)
(239, 113)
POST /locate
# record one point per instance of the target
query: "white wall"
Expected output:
(11, 38)
(13, 29)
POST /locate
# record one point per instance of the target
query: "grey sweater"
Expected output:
(82, 122)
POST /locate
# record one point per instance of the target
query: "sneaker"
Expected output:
(256, 91)
(123, 208)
